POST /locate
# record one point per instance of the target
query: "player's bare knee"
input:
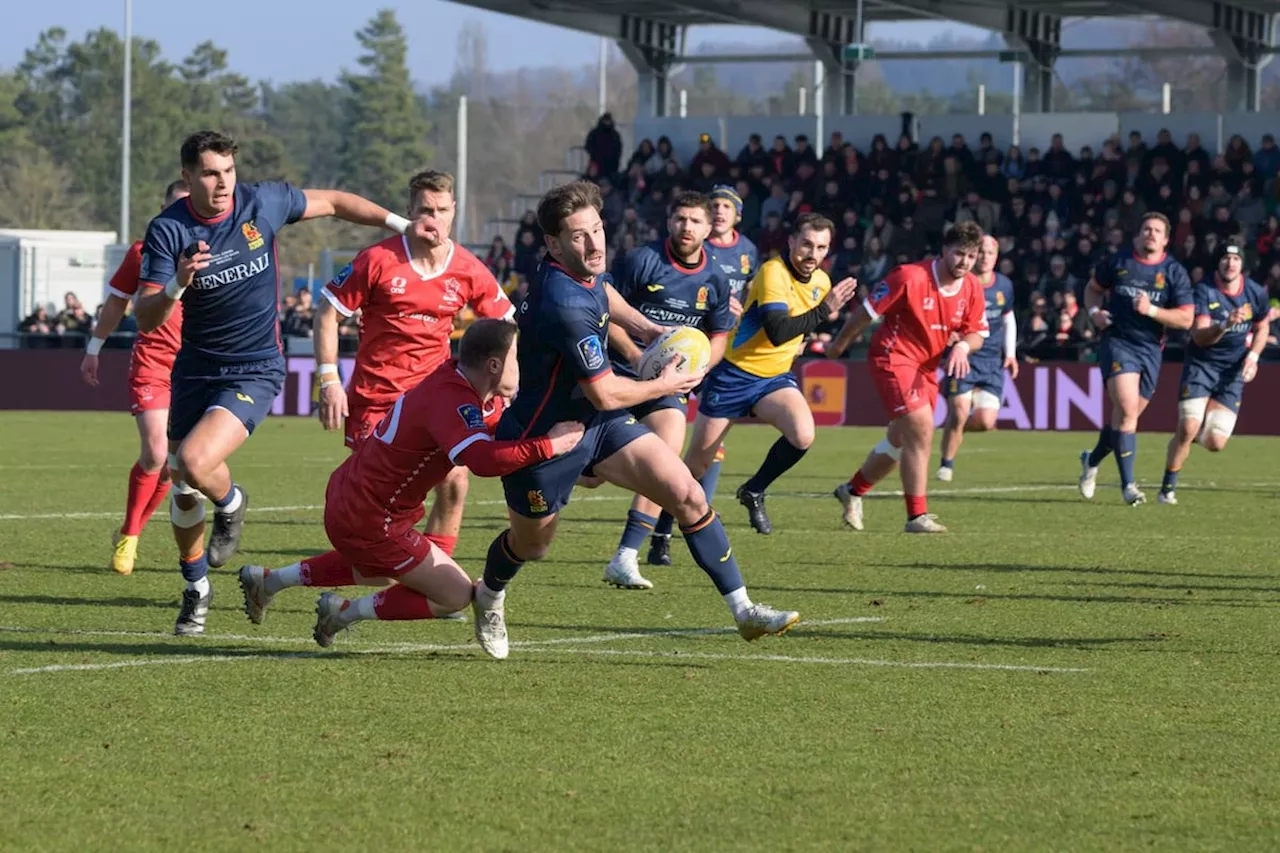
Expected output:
(453, 490)
(983, 420)
(687, 502)
(1214, 442)
(153, 457)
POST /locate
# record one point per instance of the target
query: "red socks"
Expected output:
(917, 505)
(329, 569)
(444, 543)
(146, 491)
(398, 602)
(859, 484)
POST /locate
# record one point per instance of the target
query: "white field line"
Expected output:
(375, 647)
(563, 645)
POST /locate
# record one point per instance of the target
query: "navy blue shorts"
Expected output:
(1223, 385)
(731, 392)
(1116, 357)
(246, 389)
(671, 401)
(987, 375)
(543, 489)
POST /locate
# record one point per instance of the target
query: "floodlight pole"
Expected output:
(126, 130)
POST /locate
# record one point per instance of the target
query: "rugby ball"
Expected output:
(683, 342)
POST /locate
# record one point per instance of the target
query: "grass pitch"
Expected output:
(1051, 675)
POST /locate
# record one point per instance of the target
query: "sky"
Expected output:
(275, 40)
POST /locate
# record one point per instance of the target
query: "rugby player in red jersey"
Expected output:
(924, 307)
(150, 366)
(408, 289)
(375, 497)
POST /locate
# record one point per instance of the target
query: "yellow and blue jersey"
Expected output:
(776, 287)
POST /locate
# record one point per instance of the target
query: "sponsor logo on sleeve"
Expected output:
(592, 352)
(471, 416)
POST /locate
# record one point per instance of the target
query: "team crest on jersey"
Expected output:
(252, 235)
(1159, 281)
(1246, 310)
(816, 291)
(537, 503)
(881, 291)
(1115, 367)
(471, 416)
(1000, 298)
(343, 275)
(744, 263)
(701, 303)
(592, 352)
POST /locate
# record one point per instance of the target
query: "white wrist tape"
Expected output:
(94, 347)
(322, 369)
(1094, 309)
(1151, 311)
(397, 223)
(173, 290)
(962, 346)
(325, 383)
(1251, 356)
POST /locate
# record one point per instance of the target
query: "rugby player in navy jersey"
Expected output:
(1231, 329)
(737, 260)
(1145, 292)
(975, 399)
(565, 374)
(214, 252)
(673, 283)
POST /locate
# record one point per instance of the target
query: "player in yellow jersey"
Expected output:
(788, 298)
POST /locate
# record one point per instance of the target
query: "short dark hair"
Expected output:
(966, 235)
(564, 201)
(1159, 217)
(431, 181)
(689, 200)
(485, 339)
(206, 140)
(815, 222)
(173, 188)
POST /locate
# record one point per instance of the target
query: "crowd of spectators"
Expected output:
(1056, 213)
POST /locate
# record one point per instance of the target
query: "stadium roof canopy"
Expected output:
(651, 32)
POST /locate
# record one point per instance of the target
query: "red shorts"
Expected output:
(360, 423)
(148, 391)
(383, 558)
(904, 386)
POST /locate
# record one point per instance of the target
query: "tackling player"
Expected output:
(673, 283)
(737, 259)
(565, 375)
(789, 298)
(1149, 291)
(975, 399)
(1219, 361)
(922, 305)
(215, 253)
(150, 364)
(408, 289)
(375, 497)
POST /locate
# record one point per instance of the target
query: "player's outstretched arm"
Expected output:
(352, 208)
(500, 458)
(857, 323)
(112, 311)
(333, 399)
(610, 392)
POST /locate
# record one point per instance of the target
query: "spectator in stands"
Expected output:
(709, 152)
(604, 145)
(1266, 160)
(298, 318)
(73, 319)
(1059, 165)
(37, 322)
(644, 154)
(752, 154)
(1014, 166)
(499, 258)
